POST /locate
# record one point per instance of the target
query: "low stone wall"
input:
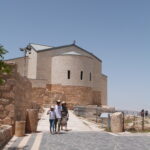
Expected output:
(15, 98)
(5, 134)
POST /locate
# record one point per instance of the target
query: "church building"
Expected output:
(70, 70)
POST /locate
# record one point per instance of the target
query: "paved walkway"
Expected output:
(83, 135)
(74, 124)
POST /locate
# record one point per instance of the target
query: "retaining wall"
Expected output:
(15, 98)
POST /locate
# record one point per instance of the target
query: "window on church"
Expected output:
(68, 74)
(81, 75)
(90, 76)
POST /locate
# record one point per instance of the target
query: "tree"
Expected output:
(4, 68)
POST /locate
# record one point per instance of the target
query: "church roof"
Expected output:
(39, 47)
(71, 53)
(42, 48)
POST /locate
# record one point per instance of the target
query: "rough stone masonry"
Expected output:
(15, 98)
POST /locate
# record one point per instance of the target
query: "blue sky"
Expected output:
(117, 31)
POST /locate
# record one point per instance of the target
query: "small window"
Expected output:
(81, 75)
(90, 76)
(68, 74)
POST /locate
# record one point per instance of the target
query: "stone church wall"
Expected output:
(15, 98)
(38, 83)
(75, 64)
(103, 87)
(20, 62)
(44, 61)
(73, 95)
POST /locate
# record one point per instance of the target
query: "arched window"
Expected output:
(81, 75)
(90, 76)
(69, 74)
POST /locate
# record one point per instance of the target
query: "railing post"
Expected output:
(142, 115)
(143, 123)
(123, 121)
(96, 115)
(109, 128)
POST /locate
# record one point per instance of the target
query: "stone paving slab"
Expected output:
(86, 140)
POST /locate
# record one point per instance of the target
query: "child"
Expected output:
(52, 117)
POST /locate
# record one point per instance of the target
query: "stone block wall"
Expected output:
(15, 98)
(43, 96)
(77, 95)
(96, 98)
(73, 95)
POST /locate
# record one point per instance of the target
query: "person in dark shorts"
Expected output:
(65, 116)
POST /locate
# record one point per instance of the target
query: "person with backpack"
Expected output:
(65, 116)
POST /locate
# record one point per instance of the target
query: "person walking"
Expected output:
(52, 118)
(58, 109)
(65, 116)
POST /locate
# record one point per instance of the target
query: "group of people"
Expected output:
(58, 117)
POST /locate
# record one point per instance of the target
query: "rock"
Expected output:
(129, 117)
(129, 126)
(7, 121)
(9, 107)
(11, 82)
(11, 114)
(1, 121)
(5, 87)
(31, 120)
(147, 126)
(1, 107)
(4, 101)
(3, 114)
(117, 122)
(5, 134)
(8, 95)
(138, 126)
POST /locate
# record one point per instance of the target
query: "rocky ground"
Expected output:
(134, 123)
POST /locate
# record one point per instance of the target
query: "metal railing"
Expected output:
(130, 118)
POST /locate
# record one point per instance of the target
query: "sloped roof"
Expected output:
(71, 53)
(39, 47)
(15, 58)
(53, 48)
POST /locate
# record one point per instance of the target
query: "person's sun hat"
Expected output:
(58, 101)
(63, 102)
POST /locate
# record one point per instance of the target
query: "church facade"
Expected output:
(69, 70)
